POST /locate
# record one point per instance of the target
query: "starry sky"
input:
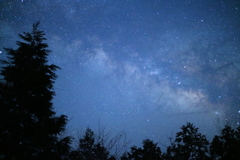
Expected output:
(143, 66)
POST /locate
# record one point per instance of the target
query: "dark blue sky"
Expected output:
(145, 66)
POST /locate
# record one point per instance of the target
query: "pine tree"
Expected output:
(29, 126)
(89, 149)
(86, 145)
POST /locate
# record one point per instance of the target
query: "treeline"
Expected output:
(188, 144)
(30, 129)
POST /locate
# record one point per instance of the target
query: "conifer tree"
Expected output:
(29, 125)
(89, 149)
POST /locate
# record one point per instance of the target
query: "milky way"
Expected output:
(143, 66)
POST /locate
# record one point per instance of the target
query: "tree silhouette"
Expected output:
(29, 126)
(150, 151)
(86, 145)
(90, 150)
(227, 145)
(116, 144)
(188, 145)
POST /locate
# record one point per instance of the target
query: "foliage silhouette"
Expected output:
(88, 149)
(29, 126)
(188, 144)
(227, 145)
(149, 151)
(116, 144)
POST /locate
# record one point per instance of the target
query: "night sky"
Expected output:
(143, 66)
